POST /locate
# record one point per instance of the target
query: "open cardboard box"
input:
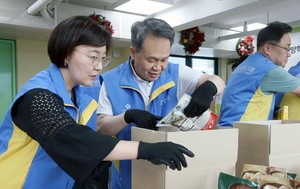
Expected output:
(274, 143)
(215, 151)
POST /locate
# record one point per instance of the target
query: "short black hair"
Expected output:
(272, 33)
(74, 31)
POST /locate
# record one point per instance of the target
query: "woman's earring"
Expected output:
(66, 65)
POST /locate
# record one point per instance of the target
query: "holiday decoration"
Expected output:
(244, 46)
(102, 20)
(192, 39)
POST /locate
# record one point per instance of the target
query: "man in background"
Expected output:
(292, 100)
(249, 93)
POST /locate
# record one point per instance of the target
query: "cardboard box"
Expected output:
(274, 143)
(215, 151)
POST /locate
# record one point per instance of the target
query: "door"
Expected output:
(7, 75)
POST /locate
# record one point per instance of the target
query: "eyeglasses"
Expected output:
(287, 49)
(97, 61)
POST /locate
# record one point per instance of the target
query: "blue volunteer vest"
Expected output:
(243, 99)
(27, 165)
(124, 94)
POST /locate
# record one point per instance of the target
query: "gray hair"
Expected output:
(150, 26)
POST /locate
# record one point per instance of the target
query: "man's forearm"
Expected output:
(110, 125)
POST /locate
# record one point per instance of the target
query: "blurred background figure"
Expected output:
(292, 100)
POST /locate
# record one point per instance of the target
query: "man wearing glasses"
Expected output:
(249, 94)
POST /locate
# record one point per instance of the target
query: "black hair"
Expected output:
(272, 33)
(74, 31)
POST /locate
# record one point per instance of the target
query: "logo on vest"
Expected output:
(127, 107)
(245, 69)
(164, 101)
(96, 82)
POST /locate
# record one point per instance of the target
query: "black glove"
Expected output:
(201, 99)
(141, 118)
(167, 153)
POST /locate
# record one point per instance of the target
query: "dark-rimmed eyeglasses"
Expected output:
(97, 61)
(288, 50)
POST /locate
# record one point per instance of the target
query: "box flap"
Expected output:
(263, 122)
(284, 138)
(290, 121)
(245, 156)
(146, 135)
(273, 143)
(254, 136)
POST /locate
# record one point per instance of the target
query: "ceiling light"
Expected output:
(143, 7)
(248, 26)
(255, 26)
(238, 28)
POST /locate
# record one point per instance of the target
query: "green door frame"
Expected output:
(7, 75)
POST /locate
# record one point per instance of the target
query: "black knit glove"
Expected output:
(167, 153)
(201, 99)
(141, 118)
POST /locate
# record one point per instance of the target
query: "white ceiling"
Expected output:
(184, 14)
(263, 10)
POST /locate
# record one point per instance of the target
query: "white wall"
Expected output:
(32, 57)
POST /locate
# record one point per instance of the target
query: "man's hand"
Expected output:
(141, 118)
(167, 153)
(201, 99)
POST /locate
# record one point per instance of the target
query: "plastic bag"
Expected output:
(252, 172)
(231, 182)
(271, 182)
(176, 118)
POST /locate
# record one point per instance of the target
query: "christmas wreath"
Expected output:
(102, 20)
(244, 46)
(192, 39)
